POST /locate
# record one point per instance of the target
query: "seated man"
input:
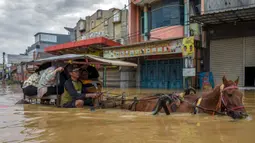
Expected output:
(73, 96)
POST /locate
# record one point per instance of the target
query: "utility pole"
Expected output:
(187, 80)
(3, 66)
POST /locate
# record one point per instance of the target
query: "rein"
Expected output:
(220, 104)
(133, 104)
(202, 108)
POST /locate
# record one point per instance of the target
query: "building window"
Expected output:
(142, 22)
(99, 14)
(167, 13)
(37, 38)
(82, 25)
(92, 24)
(195, 6)
(48, 38)
(106, 21)
(116, 17)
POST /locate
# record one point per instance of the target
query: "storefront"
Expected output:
(162, 73)
(231, 38)
(160, 63)
(235, 58)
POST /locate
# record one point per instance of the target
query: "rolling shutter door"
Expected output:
(250, 51)
(226, 56)
(112, 77)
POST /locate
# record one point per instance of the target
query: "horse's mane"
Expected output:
(212, 93)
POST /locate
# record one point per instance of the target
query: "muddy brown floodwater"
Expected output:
(36, 123)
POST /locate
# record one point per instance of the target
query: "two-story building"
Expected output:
(229, 39)
(156, 35)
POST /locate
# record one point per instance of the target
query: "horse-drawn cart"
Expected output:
(64, 60)
(225, 99)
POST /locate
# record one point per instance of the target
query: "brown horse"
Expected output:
(225, 99)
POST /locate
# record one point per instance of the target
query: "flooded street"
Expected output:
(37, 123)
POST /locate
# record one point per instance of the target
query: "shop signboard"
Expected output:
(165, 47)
(94, 34)
(188, 47)
(187, 72)
(188, 50)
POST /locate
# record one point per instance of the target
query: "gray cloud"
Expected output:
(21, 19)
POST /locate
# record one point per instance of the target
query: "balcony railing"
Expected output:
(226, 11)
(211, 6)
(142, 2)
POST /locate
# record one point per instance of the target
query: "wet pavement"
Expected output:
(37, 123)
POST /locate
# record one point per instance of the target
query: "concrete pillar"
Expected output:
(138, 74)
(123, 77)
(133, 23)
(146, 25)
(186, 80)
(104, 76)
(186, 18)
(127, 77)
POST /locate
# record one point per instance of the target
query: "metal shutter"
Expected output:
(112, 77)
(226, 56)
(249, 51)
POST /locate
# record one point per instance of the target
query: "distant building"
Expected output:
(71, 33)
(17, 59)
(104, 28)
(43, 40)
(111, 24)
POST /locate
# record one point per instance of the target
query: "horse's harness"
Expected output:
(162, 100)
(222, 104)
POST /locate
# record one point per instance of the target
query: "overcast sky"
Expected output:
(21, 19)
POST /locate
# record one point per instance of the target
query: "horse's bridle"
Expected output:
(224, 103)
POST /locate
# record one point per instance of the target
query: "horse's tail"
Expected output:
(189, 90)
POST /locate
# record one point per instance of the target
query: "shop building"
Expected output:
(229, 39)
(156, 34)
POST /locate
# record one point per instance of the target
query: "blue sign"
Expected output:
(206, 80)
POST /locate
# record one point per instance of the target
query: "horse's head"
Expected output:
(232, 99)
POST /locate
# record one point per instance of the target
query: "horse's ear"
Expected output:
(237, 81)
(224, 80)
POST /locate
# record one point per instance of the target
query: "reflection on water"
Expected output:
(36, 123)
